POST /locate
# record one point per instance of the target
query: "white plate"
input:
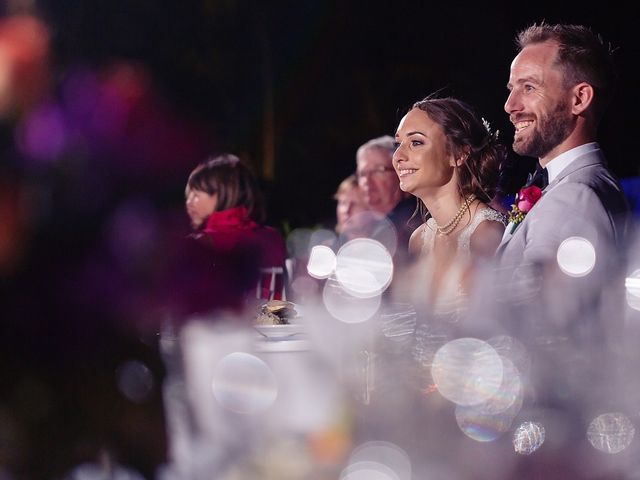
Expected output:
(280, 331)
(293, 344)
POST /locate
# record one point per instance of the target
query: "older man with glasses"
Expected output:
(379, 182)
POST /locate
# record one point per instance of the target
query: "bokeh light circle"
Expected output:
(243, 383)
(632, 285)
(368, 471)
(576, 256)
(514, 350)
(490, 419)
(611, 432)
(322, 262)
(482, 427)
(508, 395)
(467, 371)
(347, 308)
(135, 381)
(528, 437)
(364, 267)
(386, 453)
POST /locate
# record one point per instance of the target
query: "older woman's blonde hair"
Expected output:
(346, 185)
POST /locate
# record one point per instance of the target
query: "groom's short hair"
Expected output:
(583, 56)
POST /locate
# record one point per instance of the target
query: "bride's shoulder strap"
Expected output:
(482, 215)
(428, 234)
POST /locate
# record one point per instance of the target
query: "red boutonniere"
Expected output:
(526, 198)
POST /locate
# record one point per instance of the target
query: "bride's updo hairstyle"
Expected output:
(469, 138)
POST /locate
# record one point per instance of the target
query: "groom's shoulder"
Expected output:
(596, 177)
(586, 197)
(594, 171)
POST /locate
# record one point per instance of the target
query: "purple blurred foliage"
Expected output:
(115, 120)
(43, 135)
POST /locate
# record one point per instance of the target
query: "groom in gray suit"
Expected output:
(560, 264)
(559, 86)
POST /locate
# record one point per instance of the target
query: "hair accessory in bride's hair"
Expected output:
(492, 135)
(490, 138)
(224, 159)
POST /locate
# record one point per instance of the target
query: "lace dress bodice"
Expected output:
(464, 239)
(451, 298)
(451, 301)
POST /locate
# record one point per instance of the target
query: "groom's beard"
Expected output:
(551, 130)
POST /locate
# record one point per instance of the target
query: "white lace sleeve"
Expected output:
(486, 214)
(428, 235)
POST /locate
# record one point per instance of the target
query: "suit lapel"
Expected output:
(585, 160)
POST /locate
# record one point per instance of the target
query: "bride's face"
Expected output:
(421, 159)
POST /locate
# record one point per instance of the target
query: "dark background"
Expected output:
(319, 78)
(294, 88)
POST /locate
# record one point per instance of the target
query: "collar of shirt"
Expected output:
(562, 161)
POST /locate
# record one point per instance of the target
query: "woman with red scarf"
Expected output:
(231, 257)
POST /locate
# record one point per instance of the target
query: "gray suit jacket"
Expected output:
(583, 200)
(542, 301)
(572, 326)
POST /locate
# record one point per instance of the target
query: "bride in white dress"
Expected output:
(449, 159)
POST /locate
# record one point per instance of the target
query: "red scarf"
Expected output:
(236, 218)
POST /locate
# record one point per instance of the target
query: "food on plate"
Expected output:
(276, 312)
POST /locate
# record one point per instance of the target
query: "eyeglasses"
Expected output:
(374, 172)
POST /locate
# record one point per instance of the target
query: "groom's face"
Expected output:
(538, 103)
